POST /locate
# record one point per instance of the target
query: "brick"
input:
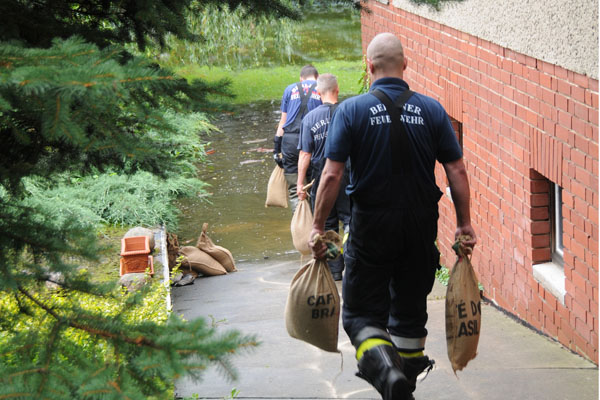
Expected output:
(591, 132)
(582, 143)
(578, 250)
(564, 87)
(580, 236)
(582, 272)
(539, 199)
(546, 81)
(592, 99)
(581, 112)
(568, 201)
(566, 331)
(540, 227)
(578, 157)
(561, 72)
(541, 255)
(582, 80)
(546, 67)
(539, 213)
(564, 119)
(539, 241)
(583, 330)
(577, 189)
(540, 186)
(533, 75)
(561, 102)
(533, 174)
(592, 214)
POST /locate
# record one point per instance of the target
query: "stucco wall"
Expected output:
(561, 32)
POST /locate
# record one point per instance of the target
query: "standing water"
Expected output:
(238, 171)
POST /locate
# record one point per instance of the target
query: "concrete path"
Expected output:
(513, 362)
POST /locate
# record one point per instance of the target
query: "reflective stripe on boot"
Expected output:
(381, 366)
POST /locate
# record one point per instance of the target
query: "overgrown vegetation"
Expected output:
(230, 38)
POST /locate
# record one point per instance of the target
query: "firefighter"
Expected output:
(390, 255)
(312, 145)
(298, 99)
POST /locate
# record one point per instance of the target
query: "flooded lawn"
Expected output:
(238, 173)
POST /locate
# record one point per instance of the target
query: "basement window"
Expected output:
(557, 226)
(458, 131)
(551, 274)
(457, 126)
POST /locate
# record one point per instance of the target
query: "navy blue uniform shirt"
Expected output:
(290, 101)
(360, 129)
(314, 132)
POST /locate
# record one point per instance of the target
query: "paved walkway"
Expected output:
(513, 362)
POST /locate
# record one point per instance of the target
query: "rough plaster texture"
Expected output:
(561, 32)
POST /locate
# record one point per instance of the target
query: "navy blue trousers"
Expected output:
(391, 259)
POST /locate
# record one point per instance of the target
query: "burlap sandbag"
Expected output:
(302, 226)
(201, 262)
(312, 310)
(463, 311)
(219, 253)
(277, 189)
(172, 249)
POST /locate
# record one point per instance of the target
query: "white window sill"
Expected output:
(552, 277)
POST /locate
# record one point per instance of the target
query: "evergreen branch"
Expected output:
(49, 346)
(139, 341)
(8, 396)
(50, 57)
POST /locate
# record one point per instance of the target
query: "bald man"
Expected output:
(390, 255)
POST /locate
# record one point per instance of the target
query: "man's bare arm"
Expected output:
(326, 196)
(281, 124)
(303, 163)
(461, 197)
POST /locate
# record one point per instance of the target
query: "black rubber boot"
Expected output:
(382, 367)
(413, 367)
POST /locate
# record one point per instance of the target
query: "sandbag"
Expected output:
(463, 311)
(302, 226)
(219, 253)
(312, 310)
(172, 249)
(201, 262)
(277, 189)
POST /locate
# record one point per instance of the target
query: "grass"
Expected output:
(265, 84)
(107, 269)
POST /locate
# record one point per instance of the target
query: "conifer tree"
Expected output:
(76, 96)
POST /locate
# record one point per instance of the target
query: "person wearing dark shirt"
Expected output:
(298, 99)
(311, 161)
(390, 255)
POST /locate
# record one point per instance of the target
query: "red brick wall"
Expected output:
(525, 122)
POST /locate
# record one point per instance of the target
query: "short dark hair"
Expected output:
(308, 71)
